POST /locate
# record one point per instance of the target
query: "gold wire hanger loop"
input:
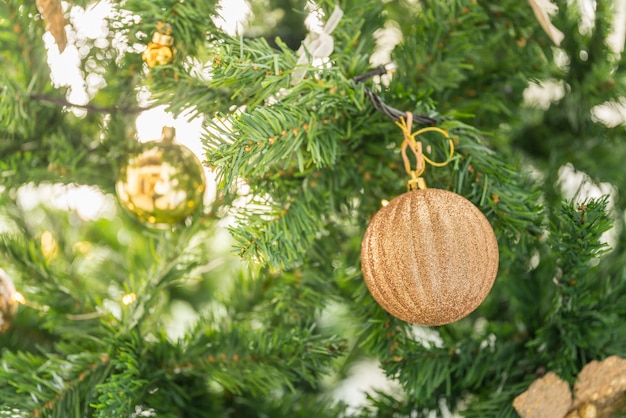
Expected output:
(416, 182)
(450, 144)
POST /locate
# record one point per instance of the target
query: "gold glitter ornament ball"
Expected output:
(8, 303)
(429, 257)
(162, 183)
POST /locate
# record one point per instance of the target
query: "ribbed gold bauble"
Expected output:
(429, 257)
(8, 303)
(162, 183)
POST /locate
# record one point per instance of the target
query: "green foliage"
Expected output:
(575, 240)
(273, 325)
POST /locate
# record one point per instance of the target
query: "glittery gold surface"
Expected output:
(162, 184)
(429, 257)
(600, 381)
(548, 397)
(8, 303)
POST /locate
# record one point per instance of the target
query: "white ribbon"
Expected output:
(542, 13)
(319, 45)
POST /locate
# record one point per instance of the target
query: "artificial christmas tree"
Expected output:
(256, 305)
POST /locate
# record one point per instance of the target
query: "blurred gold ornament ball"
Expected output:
(8, 301)
(162, 183)
(429, 257)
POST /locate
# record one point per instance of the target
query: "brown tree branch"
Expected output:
(88, 107)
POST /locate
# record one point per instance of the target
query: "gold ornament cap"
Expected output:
(162, 183)
(162, 39)
(429, 257)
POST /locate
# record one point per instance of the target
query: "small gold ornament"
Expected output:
(601, 380)
(160, 51)
(429, 257)
(600, 387)
(8, 301)
(549, 396)
(162, 183)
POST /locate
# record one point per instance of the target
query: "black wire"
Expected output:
(391, 112)
(380, 70)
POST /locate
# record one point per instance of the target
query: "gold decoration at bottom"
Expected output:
(598, 393)
(549, 396)
(429, 257)
(162, 183)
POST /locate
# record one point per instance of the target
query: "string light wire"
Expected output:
(391, 112)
